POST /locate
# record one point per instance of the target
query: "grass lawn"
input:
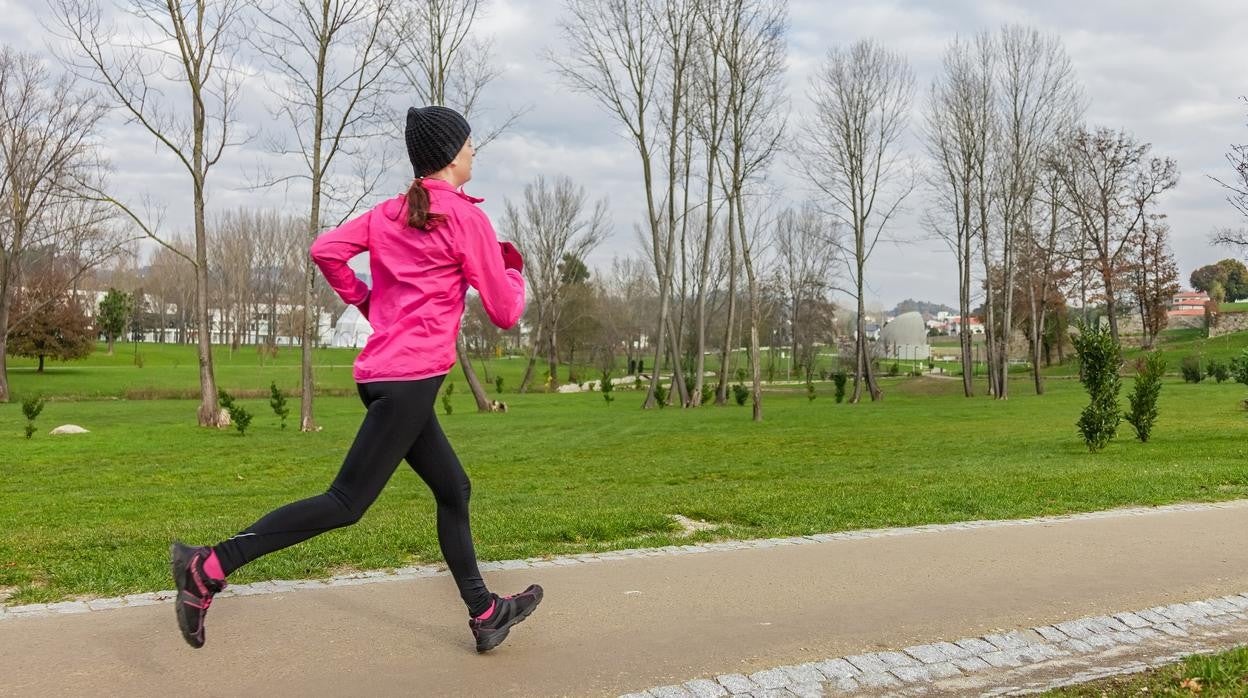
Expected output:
(94, 514)
(1216, 676)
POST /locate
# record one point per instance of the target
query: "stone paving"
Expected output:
(1162, 635)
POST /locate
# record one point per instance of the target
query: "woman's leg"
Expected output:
(397, 413)
(435, 461)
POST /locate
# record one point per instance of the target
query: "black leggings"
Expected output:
(400, 423)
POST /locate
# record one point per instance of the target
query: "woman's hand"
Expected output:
(511, 257)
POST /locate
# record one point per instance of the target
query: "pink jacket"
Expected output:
(420, 279)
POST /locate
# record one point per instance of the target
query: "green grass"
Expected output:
(1233, 308)
(172, 371)
(94, 514)
(1222, 675)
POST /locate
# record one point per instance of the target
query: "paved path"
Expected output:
(621, 625)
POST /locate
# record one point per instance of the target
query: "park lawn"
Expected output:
(1173, 345)
(1223, 675)
(94, 514)
(172, 371)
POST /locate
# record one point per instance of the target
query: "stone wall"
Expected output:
(1227, 323)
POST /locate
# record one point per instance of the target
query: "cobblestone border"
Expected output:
(921, 664)
(424, 571)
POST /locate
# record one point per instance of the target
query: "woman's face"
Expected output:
(462, 165)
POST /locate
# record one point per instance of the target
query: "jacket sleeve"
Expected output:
(333, 249)
(501, 289)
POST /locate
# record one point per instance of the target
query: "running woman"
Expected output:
(426, 248)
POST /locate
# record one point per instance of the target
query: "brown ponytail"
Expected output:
(418, 213)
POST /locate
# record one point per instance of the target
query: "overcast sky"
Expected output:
(1170, 72)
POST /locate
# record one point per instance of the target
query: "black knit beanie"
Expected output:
(434, 136)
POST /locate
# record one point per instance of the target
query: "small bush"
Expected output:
(708, 394)
(1143, 398)
(1239, 367)
(1099, 358)
(446, 399)
(740, 375)
(840, 379)
(740, 393)
(810, 391)
(894, 370)
(660, 394)
(239, 416)
(1219, 371)
(32, 407)
(1191, 370)
(498, 384)
(277, 401)
(607, 387)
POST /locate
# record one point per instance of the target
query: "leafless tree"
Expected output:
(553, 222)
(1044, 260)
(1237, 195)
(753, 57)
(330, 65)
(1154, 277)
(862, 100)
(1112, 184)
(188, 45)
(1039, 103)
(48, 131)
(710, 96)
(231, 273)
(617, 54)
(805, 244)
(444, 63)
(959, 126)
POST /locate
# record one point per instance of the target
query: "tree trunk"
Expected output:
(678, 371)
(209, 413)
(755, 312)
(721, 390)
(528, 369)
(40, 369)
(4, 346)
(470, 375)
(552, 353)
(964, 321)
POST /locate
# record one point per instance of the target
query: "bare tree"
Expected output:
(710, 93)
(862, 100)
(1237, 194)
(1154, 276)
(1039, 103)
(806, 256)
(443, 62)
(331, 64)
(189, 44)
(960, 121)
(617, 55)
(1112, 183)
(753, 56)
(1044, 260)
(553, 223)
(47, 148)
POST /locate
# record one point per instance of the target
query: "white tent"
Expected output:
(905, 338)
(352, 329)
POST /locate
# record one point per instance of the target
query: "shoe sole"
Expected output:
(177, 566)
(497, 638)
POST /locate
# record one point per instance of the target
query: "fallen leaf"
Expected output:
(1192, 684)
